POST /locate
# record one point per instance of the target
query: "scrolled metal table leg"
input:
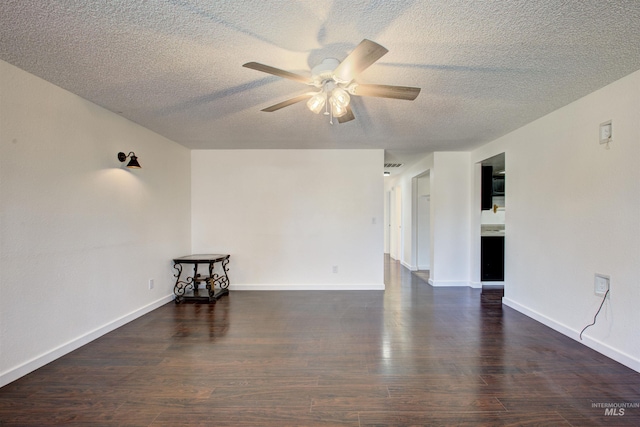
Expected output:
(181, 286)
(211, 283)
(222, 280)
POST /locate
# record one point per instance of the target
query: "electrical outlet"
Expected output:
(601, 284)
(335, 269)
(151, 284)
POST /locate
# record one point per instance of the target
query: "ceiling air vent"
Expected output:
(392, 165)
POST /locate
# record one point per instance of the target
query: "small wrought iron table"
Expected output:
(188, 289)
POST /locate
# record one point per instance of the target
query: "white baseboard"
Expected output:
(476, 285)
(599, 346)
(424, 267)
(309, 287)
(409, 266)
(444, 283)
(48, 357)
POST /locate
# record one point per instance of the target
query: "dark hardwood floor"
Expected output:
(410, 356)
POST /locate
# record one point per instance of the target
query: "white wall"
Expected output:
(287, 217)
(80, 236)
(450, 204)
(573, 211)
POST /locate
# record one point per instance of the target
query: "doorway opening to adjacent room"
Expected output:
(492, 228)
(421, 225)
(395, 223)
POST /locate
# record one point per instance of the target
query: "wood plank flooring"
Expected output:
(410, 356)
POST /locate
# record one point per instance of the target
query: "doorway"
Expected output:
(420, 258)
(492, 228)
(423, 222)
(395, 223)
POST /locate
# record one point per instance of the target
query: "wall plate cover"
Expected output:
(601, 284)
(605, 132)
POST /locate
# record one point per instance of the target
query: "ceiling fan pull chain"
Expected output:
(326, 103)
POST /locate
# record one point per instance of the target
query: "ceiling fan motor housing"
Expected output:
(324, 71)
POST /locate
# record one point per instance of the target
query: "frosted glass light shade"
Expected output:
(337, 109)
(340, 96)
(316, 102)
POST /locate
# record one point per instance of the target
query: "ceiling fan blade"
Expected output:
(385, 91)
(288, 102)
(347, 117)
(277, 72)
(365, 54)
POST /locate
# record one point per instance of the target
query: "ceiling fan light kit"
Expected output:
(336, 81)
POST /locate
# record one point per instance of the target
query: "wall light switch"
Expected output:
(605, 132)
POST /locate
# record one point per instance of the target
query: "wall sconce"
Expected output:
(133, 163)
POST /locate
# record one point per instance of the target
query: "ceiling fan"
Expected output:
(336, 82)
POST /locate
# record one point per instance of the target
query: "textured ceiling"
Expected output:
(175, 66)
